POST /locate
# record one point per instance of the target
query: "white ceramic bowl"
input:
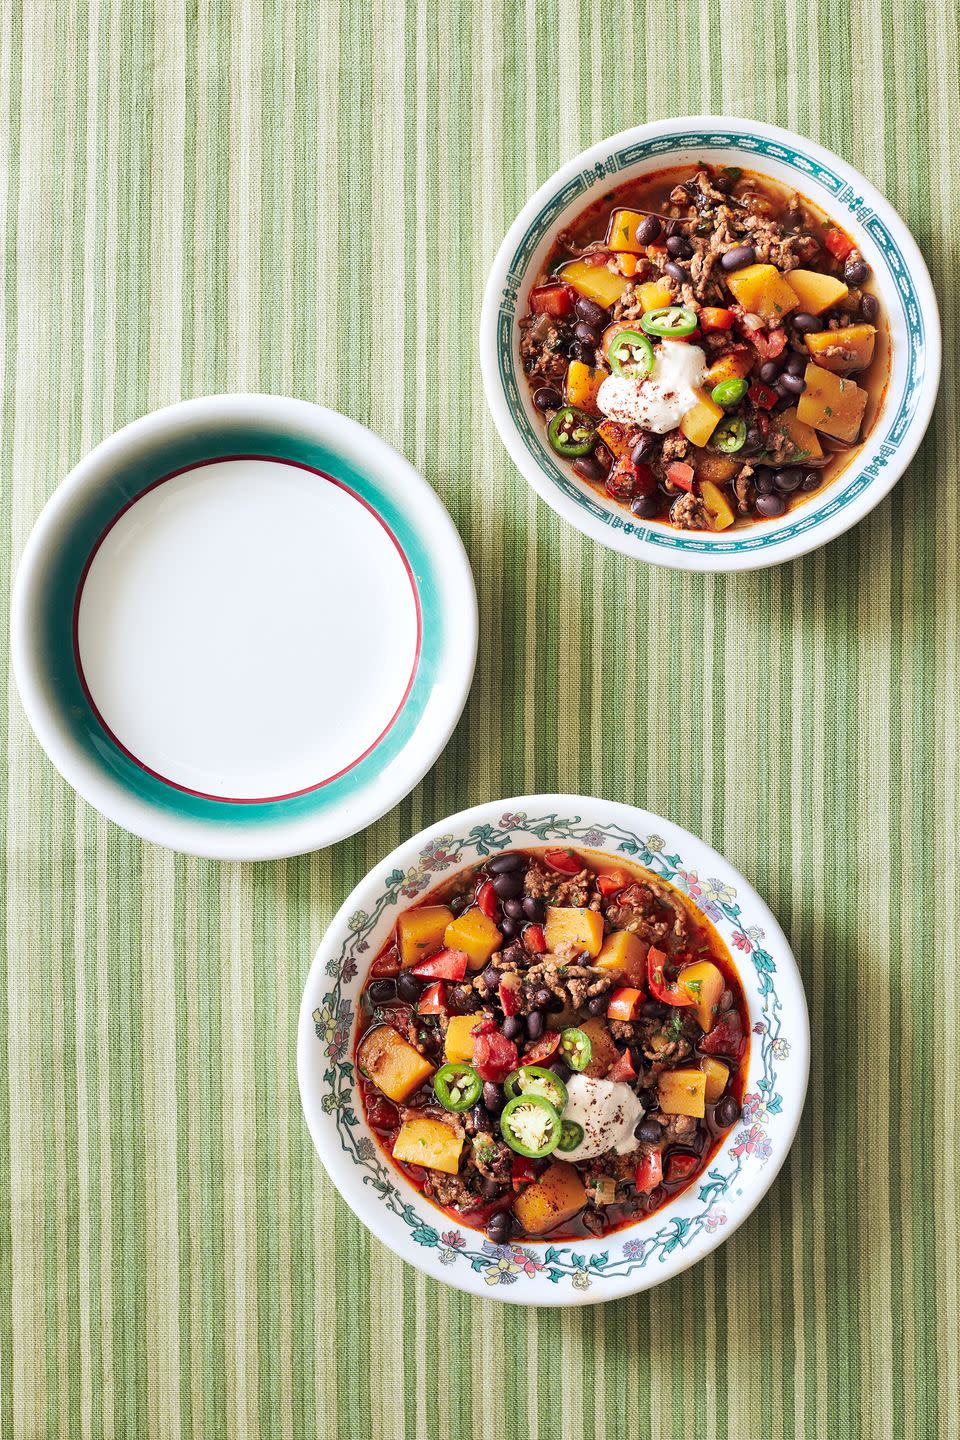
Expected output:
(632, 1259)
(244, 627)
(900, 275)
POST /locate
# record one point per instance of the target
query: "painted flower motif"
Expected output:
(755, 1109)
(453, 1239)
(415, 881)
(754, 1141)
(742, 942)
(329, 1103)
(760, 1026)
(781, 1048)
(513, 822)
(717, 890)
(358, 919)
(580, 1280)
(350, 965)
(756, 934)
(593, 838)
(439, 854)
(333, 1026)
(447, 1256)
(713, 1220)
(633, 1249)
(366, 1150)
(655, 843)
(528, 1263)
(689, 881)
(709, 907)
(504, 1269)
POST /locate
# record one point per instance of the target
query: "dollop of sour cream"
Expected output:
(660, 400)
(609, 1112)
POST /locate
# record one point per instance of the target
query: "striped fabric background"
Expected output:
(198, 196)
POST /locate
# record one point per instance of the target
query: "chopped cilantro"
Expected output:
(674, 1030)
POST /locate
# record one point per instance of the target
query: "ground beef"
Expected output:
(675, 447)
(455, 1191)
(542, 350)
(677, 1129)
(571, 983)
(649, 914)
(493, 1158)
(744, 489)
(690, 513)
(555, 888)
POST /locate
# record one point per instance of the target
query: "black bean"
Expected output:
(513, 1027)
(648, 230)
(381, 992)
(770, 506)
(793, 384)
(491, 1188)
(796, 364)
(649, 1098)
(491, 977)
(811, 480)
(753, 442)
(498, 1227)
(855, 272)
(513, 908)
(869, 306)
(546, 398)
(646, 506)
(509, 927)
(461, 999)
(723, 183)
(739, 256)
(653, 1009)
(508, 884)
(679, 247)
(804, 323)
(648, 1130)
(788, 479)
(763, 481)
(727, 1112)
(673, 227)
(555, 1004)
(644, 447)
(590, 311)
(542, 997)
(597, 1005)
(562, 1072)
(536, 1024)
(583, 352)
(503, 864)
(770, 371)
(534, 910)
(409, 988)
(676, 272)
(587, 333)
(589, 468)
(492, 1097)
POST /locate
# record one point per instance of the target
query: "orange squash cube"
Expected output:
(394, 1065)
(704, 981)
(683, 1092)
(420, 932)
(717, 1076)
(551, 1200)
(474, 933)
(458, 1042)
(625, 954)
(430, 1143)
(573, 926)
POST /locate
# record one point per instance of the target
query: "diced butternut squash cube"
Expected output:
(700, 422)
(626, 955)
(682, 1092)
(605, 1052)
(550, 1201)
(843, 350)
(394, 1065)
(475, 934)
(595, 281)
(816, 292)
(718, 468)
(802, 439)
(832, 404)
(582, 384)
(718, 506)
(622, 233)
(619, 439)
(458, 1044)
(704, 981)
(573, 926)
(420, 932)
(430, 1143)
(717, 1076)
(734, 365)
(763, 291)
(654, 295)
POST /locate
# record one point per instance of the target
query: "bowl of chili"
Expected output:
(553, 1049)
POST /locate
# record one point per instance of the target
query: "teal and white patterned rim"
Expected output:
(764, 1133)
(898, 412)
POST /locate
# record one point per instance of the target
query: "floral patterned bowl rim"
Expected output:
(900, 275)
(630, 1260)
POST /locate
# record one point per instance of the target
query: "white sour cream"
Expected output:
(660, 400)
(609, 1112)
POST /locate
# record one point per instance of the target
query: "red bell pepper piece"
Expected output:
(555, 300)
(433, 1001)
(622, 1069)
(714, 317)
(540, 1051)
(494, 1056)
(681, 474)
(387, 964)
(649, 1172)
(534, 939)
(445, 965)
(837, 243)
(563, 860)
(681, 1166)
(762, 395)
(668, 992)
(509, 990)
(769, 343)
(596, 257)
(521, 1172)
(487, 900)
(612, 884)
(726, 1037)
(625, 1003)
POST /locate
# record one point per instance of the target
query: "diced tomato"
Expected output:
(433, 1001)
(596, 257)
(612, 884)
(509, 989)
(623, 1068)
(668, 992)
(838, 244)
(487, 900)
(726, 1037)
(762, 395)
(621, 481)
(541, 1050)
(381, 1112)
(625, 1003)
(494, 1056)
(522, 1172)
(555, 300)
(769, 343)
(563, 860)
(445, 965)
(680, 1165)
(644, 480)
(534, 939)
(649, 1172)
(681, 474)
(715, 318)
(388, 963)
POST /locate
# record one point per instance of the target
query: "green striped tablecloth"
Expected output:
(201, 196)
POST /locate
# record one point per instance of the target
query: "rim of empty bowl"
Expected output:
(905, 283)
(590, 1270)
(208, 827)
